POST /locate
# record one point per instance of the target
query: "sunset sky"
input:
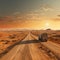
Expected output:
(31, 14)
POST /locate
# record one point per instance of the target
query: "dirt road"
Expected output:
(28, 49)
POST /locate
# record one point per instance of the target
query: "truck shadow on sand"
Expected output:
(29, 42)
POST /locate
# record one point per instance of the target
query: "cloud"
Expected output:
(6, 19)
(58, 15)
(56, 19)
(29, 15)
(15, 13)
(46, 7)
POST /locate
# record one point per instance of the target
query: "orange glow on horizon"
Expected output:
(42, 24)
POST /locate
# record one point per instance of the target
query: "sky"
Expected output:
(31, 14)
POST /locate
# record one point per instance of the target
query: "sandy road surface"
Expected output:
(28, 49)
(53, 47)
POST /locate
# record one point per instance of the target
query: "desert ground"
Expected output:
(25, 45)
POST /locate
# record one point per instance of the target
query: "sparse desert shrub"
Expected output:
(2, 40)
(57, 36)
(13, 40)
(6, 41)
(12, 36)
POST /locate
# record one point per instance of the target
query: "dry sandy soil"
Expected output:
(9, 38)
(27, 47)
